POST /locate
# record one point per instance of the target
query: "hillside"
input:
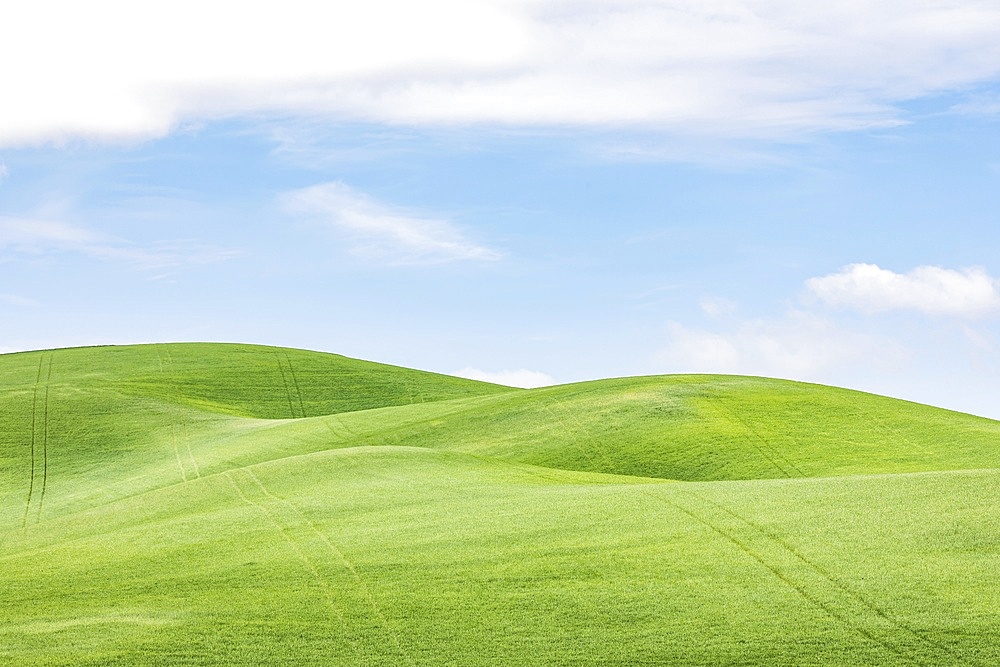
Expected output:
(222, 504)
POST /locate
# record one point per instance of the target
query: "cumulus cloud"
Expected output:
(26, 236)
(113, 70)
(520, 378)
(800, 345)
(381, 231)
(931, 290)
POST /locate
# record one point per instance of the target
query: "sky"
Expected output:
(522, 191)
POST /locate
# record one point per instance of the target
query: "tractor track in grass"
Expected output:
(173, 430)
(177, 453)
(815, 584)
(573, 431)
(191, 456)
(835, 581)
(342, 557)
(314, 548)
(284, 382)
(344, 434)
(241, 490)
(39, 444)
(45, 439)
(34, 419)
(295, 383)
(173, 424)
(756, 440)
(186, 433)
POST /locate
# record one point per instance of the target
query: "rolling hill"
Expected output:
(195, 504)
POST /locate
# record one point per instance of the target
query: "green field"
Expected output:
(196, 504)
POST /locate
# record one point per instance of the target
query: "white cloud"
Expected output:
(385, 232)
(932, 290)
(38, 237)
(113, 70)
(520, 378)
(800, 346)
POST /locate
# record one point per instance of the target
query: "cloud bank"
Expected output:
(379, 231)
(112, 70)
(931, 290)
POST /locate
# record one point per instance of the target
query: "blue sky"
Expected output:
(516, 190)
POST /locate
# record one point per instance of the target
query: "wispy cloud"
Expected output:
(384, 232)
(520, 378)
(25, 236)
(932, 290)
(715, 67)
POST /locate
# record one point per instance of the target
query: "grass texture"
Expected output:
(205, 504)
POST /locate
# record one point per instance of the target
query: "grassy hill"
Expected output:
(223, 504)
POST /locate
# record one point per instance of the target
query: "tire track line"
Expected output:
(295, 382)
(756, 440)
(34, 416)
(875, 421)
(345, 562)
(284, 381)
(328, 595)
(343, 434)
(837, 583)
(191, 457)
(177, 453)
(812, 584)
(292, 542)
(185, 430)
(173, 423)
(564, 427)
(45, 439)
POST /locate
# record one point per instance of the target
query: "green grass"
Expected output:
(222, 504)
